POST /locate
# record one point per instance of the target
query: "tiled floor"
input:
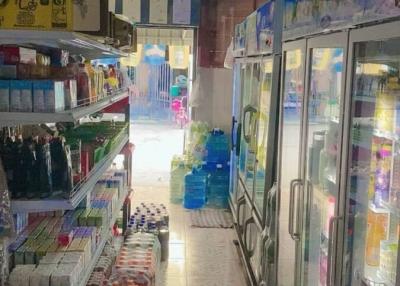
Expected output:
(198, 257)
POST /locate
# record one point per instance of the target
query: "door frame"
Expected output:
(379, 32)
(272, 135)
(286, 47)
(333, 40)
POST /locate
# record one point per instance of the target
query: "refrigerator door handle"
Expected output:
(233, 143)
(246, 226)
(332, 222)
(241, 202)
(238, 138)
(294, 184)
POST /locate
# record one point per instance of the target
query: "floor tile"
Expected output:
(197, 256)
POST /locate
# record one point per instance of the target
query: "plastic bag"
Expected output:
(228, 63)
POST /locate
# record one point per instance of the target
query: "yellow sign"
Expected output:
(179, 57)
(38, 15)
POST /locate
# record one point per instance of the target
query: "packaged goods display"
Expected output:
(49, 80)
(61, 245)
(48, 166)
(138, 262)
(152, 218)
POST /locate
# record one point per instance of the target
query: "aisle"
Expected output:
(198, 257)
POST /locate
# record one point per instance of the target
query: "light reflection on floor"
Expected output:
(197, 257)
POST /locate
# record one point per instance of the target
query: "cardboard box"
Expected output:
(38, 15)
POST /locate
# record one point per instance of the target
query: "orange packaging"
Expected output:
(377, 228)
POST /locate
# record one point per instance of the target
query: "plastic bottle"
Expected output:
(217, 147)
(93, 84)
(84, 86)
(219, 188)
(176, 183)
(195, 190)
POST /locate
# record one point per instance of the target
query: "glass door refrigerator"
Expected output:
(313, 83)
(370, 175)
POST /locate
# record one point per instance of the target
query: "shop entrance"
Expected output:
(161, 72)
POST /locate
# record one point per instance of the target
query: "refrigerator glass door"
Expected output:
(373, 187)
(249, 126)
(235, 132)
(262, 141)
(291, 110)
(321, 184)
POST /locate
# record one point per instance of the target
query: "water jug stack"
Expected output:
(218, 193)
(217, 165)
(195, 189)
(217, 147)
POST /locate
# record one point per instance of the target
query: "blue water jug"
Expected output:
(195, 189)
(217, 147)
(218, 193)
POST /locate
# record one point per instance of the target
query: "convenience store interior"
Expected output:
(199, 143)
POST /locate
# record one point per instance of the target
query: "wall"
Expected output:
(213, 100)
(218, 19)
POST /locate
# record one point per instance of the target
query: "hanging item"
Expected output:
(154, 54)
(179, 57)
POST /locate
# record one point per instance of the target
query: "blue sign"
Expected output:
(154, 54)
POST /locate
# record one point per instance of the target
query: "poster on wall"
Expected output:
(181, 12)
(158, 12)
(264, 27)
(132, 9)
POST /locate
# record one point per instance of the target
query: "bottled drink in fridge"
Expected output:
(376, 232)
(195, 190)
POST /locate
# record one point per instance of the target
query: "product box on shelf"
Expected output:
(21, 95)
(12, 55)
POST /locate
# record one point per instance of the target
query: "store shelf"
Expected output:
(75, 43)
(365, 98)
(387, 135)
(21, 118)
(78, 193)
(106, 235)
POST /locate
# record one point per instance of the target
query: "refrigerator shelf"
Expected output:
(387, 135)
(391, 208)
(80, 191)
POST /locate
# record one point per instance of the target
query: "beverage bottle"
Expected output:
(84, 86)
(93, 84)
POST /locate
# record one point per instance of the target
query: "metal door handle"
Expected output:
(248, 110)
(246, 226)
(293, 184)
(238, 138)
(241, 202)
(332, 223)
(233, 143)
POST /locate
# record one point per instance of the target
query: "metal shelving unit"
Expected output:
(80, 191)
(75, 43)
(21, 118)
